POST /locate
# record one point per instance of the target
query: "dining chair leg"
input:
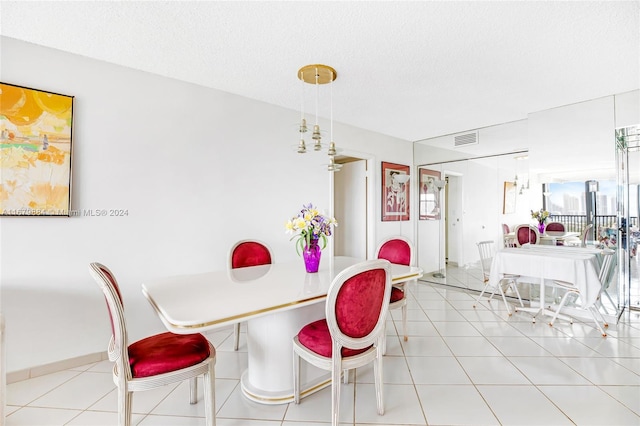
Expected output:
(404, 321)
(481, 294)
(515, 309)
(595, 320)
(296, 377)
(562, 302)
(335, 392)
(595, 312)
(493, 292)
(598, 313)
(606, 293)
(504, 298)
(236, 337)
(377, 373)
(124, 406)
(514, 285)
(193, 390)
(209, 385)
(384, 338)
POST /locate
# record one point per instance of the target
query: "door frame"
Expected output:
(453, 193)
(348, 156)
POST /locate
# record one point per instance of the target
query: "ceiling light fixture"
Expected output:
(317, 74)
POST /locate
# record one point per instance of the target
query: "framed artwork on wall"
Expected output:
(509, 200)
(395, 192)
(429, 195)
(35, 143)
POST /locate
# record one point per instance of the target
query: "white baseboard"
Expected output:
(65, 364)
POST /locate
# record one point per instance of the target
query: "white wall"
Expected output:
(196, 169)
(571, 139)
(627, 109)
(350, 200)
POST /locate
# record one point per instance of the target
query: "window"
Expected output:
(568, 198)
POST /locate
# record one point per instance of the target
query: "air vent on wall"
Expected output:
(465, 139)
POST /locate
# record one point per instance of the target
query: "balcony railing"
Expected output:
(576, 223)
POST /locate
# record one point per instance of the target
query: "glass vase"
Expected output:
(541, 227)
(311, 254)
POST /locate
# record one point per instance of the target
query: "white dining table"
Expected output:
(576, 265)
(552, 237)
(276, 300)
(548, 237)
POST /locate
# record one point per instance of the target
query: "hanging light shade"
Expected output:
(317, 75)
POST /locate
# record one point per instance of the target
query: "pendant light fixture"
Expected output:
(317, 74)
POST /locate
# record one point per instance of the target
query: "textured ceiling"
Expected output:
(412, 70)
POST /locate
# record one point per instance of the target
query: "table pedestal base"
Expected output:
(282, 397)
(269, 375)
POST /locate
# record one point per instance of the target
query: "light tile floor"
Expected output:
(461, 366)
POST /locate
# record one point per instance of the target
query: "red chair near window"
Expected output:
(246, 253)
(526, 234)
(154, 361)
(400, 251)
(554, 227)
(352, 334)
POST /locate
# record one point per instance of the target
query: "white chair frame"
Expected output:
(118, 352)
(508, 240)
(606, 282)
(485, 248)
(402, 303)
(608, 258)
(336, 364)
(580, 241)
(236, 327)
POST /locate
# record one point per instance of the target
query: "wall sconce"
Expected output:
(402, 178)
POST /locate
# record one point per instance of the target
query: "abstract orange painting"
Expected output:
(35, 152)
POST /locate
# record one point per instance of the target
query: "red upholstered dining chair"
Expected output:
(246, 253)
(352, 333)
(397, 250)
(526, 234)
(154, 361)
(554, 227)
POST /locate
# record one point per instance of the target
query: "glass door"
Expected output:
(628, 179)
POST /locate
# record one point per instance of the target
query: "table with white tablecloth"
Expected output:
(576, 265)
